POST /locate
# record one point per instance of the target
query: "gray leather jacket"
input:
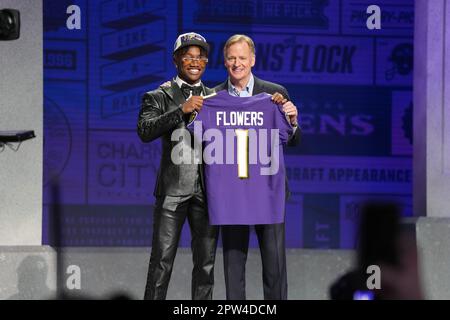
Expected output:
(159, 116)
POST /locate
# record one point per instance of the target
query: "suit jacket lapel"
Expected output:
(174, 93)
(222, 86)
(258, 86)
(207, 90)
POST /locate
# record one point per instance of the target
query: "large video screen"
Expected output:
(352, 86)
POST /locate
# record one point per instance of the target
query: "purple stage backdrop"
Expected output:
(352, 86)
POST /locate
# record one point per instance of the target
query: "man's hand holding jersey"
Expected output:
(288, 107)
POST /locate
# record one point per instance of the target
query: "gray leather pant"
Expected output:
(169, 218)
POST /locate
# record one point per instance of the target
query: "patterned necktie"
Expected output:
(196, 91)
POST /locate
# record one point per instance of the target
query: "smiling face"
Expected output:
(239, 61)
(190, 70)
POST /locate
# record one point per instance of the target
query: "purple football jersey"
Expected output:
(243, 158)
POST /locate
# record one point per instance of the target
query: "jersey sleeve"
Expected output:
(202, 116)
(197, 117)
(192, 117)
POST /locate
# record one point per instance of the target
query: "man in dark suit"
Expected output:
(179, 187)
(239, 55)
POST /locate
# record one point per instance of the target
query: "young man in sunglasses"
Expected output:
(179, 188)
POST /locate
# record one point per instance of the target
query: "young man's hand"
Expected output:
(194, 103)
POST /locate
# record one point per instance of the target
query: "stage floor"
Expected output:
(30, 272)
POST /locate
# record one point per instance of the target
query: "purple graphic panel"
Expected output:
(352, 87)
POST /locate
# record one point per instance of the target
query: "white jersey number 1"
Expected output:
(242, 153)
